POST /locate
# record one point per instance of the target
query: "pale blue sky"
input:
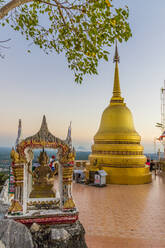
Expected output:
(36, 84)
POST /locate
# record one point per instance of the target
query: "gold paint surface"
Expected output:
(15, 207)
(43, 179)
(117, 147)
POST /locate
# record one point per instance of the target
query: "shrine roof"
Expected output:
(44, 135)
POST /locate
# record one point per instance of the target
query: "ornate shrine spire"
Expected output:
(44, 135)
(19, 135)
(69, 136)
(44, 125)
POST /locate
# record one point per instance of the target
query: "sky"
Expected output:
(35, 84)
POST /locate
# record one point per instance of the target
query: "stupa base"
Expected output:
(128, 175)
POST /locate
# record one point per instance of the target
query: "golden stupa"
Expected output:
(117, 148)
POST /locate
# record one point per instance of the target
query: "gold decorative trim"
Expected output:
(117, 152)
(15, 207)
(122, 166)
(117, 101)
(18, 173)
(69, 204)
(117, 142)
(43, 203)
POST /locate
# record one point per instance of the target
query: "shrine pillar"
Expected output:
(16, 205)
(67, 178)
(29, 181)
(60, 184)
(25, 189)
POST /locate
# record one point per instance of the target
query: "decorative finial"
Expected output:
(18, 140)
(43, 158)
(69, 137)
(44, 124)
(116, 98)
(44, 119)
(116, 57)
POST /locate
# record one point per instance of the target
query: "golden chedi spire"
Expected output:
(117, 147)
(116, 98)
(116, 86)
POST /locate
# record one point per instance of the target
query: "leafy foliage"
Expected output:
(83, 29)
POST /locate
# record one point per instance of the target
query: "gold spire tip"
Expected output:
(116, 57)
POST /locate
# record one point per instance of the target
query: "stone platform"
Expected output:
(46, 217)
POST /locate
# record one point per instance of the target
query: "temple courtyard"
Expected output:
(123, 216)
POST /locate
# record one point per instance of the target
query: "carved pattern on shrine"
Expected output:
(34, 189)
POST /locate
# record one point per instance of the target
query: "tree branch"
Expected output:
(60, 11)
(16, 3)
(11, 5)
(3, 41)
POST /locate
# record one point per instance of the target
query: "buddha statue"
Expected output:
(43, 179)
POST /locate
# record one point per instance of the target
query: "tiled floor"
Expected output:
(123, 216)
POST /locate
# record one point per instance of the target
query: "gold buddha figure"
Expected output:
(43, 179)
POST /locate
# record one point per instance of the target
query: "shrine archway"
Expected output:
(22, 158)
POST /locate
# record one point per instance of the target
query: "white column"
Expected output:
(29, 183)
(60, 184)
(25, 190)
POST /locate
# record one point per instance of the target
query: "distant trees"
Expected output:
(3, 177)
(83, 29)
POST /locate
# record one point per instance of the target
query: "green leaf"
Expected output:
(84, 31)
